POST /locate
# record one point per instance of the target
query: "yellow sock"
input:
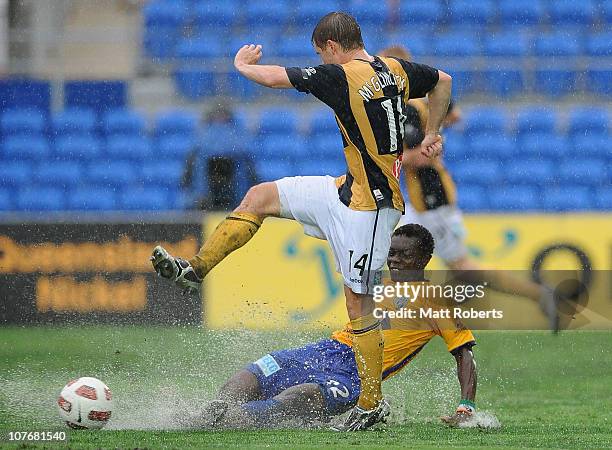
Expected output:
(231, 234)
(368, 348)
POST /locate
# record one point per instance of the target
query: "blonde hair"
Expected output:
(396, 51)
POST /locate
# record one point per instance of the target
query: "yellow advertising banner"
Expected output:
(283, 279)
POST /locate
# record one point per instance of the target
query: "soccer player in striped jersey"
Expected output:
(357, 212)
(433, 201)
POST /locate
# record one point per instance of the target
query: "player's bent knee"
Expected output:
(262, 200)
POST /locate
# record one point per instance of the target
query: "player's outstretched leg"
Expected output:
(232, 233)
(368, 345)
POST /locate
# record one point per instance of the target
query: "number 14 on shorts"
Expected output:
(360, 263)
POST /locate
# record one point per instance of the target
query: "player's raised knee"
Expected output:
(262, 200)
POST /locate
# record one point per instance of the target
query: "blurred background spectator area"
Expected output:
(114, 105)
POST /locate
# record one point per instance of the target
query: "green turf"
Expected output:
(548, 392)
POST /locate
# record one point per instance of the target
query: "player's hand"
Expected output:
(431, 145)
(248, 55)
(461, 416)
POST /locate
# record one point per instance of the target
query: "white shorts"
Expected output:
(314, 202)
(446, 226)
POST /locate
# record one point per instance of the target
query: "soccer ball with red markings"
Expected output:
(85, 403)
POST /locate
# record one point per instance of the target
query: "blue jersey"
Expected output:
(327, 363)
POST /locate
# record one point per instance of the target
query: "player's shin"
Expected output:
(368, 347)
(231, 234)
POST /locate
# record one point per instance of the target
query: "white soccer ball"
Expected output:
(85, 403)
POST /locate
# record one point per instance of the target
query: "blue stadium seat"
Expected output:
(165, 13)
(457, 44)
(606, 9)
(531, 171)
(18, 93)
(521, 12)
(100, 96)
(536, 119)
(40, 199)
(59, 173)
(483, 172)
(160, 42)
(571, 12)
(603, 198)
(195, 83)
(471, 12)
(325, 145)
(308, 13)
(77, 147)
(589, 172)
(588, 120)
(557, 44)
(278, 120)
(260, 13)
(111, 173)
(597, 145)
(322, 121)
(176, 121)
(466, 82)
(224, 13)
(568, 198)
(555, 82)
(600, 81)
(92, 198)
(21, 146)
(420, 12)
(128, 146)
(544, 145)
(203, 47)
(15, 173)
(455, 147)
(485, 119)
(295, 47)
(278, 146)
(145, 199)
(515, 198)
(22, 121)
(123, 121)
(599, 44)
(270, 170)
(74, 121)
(491, 145)
(175, 146)
(6, 200)
(506, 43)
(369, 13)
(503, 82)
(165, 173)
(473, 198)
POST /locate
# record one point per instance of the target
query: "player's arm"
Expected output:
(439, 98)
(246, 60)
(466, 372)
(453, 115)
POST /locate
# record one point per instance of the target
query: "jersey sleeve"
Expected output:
(421, 78)
(456, 337)
(326, 82)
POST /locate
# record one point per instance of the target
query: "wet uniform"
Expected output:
(330, 363)
(358, 211)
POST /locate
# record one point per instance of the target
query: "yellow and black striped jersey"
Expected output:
(368, 99)
(405, 337)
(431, 186)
